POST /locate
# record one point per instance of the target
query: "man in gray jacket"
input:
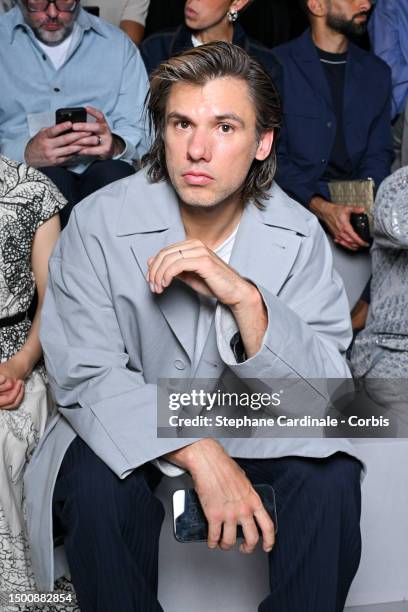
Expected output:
(197, 267)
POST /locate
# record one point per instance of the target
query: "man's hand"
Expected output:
(337, 219)
(227, 497)
(200, 268)
(11, 388)
(97, 139)
(53, 146)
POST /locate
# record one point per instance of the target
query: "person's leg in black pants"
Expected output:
(68, 184)
(111, 532)
(102, 173)
(75, 187)
(318, 544)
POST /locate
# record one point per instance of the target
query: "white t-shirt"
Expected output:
(116, 11)
(58, 53)
(195, 41)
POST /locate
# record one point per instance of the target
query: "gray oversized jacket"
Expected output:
(107, 338)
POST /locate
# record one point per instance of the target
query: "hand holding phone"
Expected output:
(98, 141)
(53, 146)
(190, 524)
(226, 495)
(359, 223)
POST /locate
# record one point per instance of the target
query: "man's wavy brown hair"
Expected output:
(197, 66)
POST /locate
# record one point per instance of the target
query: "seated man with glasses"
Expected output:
(62, 57)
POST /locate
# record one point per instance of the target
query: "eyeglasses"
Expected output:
(40, 6)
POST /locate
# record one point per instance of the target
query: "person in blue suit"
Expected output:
(337, 100)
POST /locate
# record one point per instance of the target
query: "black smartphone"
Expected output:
(359, 223)
(75, 115)
(190, 524)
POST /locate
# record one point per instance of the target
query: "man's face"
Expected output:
(50, 26)
(210, 140)
(348, 17)
(203, 14)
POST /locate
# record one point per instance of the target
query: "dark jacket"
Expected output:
(309, 123)
(159, 47)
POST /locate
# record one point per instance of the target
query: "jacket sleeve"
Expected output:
(108, 404)
(391, 212)
(376, 162)
(128, 120)
(290, 177)
(309, 326)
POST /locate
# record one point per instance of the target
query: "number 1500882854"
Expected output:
(34, 598)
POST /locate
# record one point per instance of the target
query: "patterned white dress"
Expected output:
(27, 199)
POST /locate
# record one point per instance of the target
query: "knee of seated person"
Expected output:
(109, 170)
(337, 476)
(96, 491)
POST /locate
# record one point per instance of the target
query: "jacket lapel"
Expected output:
(264, 252)
(154, 227)
(355, 98)
(265, 249)
(306, 57)
(181, 40)
(178, 304)
(354, 80)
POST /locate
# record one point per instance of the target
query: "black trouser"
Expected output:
(75, 187)
(112, 530)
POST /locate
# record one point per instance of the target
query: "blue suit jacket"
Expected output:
(309, 122)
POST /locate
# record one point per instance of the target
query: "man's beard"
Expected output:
(218, 200)
(53, 39)
(46, 36)
(348, 27)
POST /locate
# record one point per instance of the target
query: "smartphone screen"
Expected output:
(75, 115)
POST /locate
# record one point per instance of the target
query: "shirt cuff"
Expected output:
(226, 329)
(167, 468)
(229, 341)
(123, 154)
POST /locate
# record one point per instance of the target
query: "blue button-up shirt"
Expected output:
(102, 69)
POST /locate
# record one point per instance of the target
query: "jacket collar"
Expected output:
(182, 39)
(304, 49)
(304, 53)
(162, 212)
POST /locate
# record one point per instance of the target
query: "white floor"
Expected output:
(391, 607)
